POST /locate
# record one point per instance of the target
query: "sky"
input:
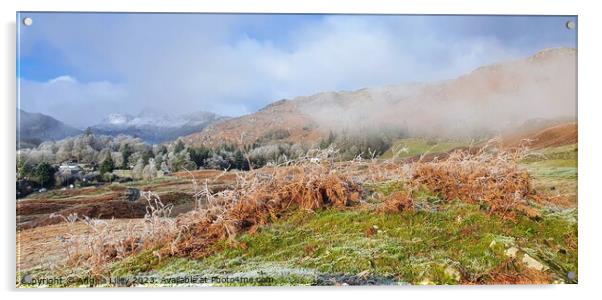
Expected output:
(80, 67)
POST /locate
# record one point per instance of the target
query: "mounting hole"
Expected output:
(570, 25)
(27, 21)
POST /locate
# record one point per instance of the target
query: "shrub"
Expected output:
(493, 180)
(397, 202)
(200, 155)
(107, 165)
(44, 174)
(260, 198)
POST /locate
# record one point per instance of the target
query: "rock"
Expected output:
(532, 263)
(511, 252)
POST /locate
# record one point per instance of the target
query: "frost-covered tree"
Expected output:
(150, 170)
(104, 154)
(217, 162)
(179, 161)
(164, 167)
(65, 150)
(138, 169)
(117, 159)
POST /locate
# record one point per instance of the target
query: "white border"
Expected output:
(590, 207)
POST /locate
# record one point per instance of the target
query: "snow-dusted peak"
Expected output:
(117, 119)
(154, 126)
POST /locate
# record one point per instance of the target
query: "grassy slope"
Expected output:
(417, 146)
(455, 243)
(443, 247)
(554, 170)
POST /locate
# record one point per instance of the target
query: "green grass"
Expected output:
(554, 170)
(566, 153)
(409, 247)
(418, 146)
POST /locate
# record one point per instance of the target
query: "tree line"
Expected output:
(105, 154)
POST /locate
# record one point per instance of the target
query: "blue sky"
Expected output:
(78, 67)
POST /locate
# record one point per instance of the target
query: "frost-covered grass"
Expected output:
(554, 170)
(459, 243)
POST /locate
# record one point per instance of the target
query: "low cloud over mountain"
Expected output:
(154, 127)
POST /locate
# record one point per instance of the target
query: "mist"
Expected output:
(489, 100)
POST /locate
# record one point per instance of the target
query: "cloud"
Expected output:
(235, 64)
(64, 78)
(79, 104)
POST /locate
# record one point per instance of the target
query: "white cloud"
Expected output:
(64, 78)
(186, 63)
(79, 104)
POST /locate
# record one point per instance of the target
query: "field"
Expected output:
(321, 222)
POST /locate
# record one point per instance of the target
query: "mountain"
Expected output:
(155, 127)
(488, 100)
(35, 128)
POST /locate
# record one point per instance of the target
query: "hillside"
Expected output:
(553, 136)
(35, 128)
(350, 223)
(488, 100)
(536, 135)
(281, 120)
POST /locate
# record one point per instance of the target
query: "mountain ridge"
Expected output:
(491, 98)
(35, 128)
